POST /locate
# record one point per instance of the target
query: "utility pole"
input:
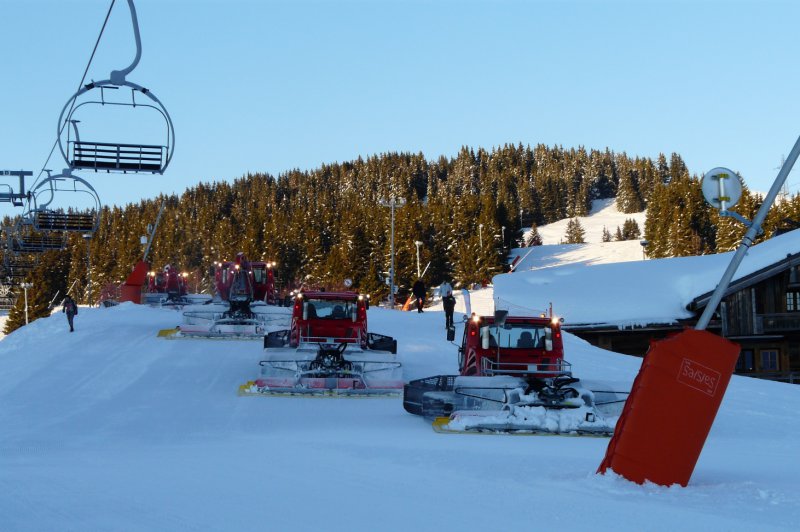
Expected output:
(392, 203)
(25, 287)
(418, 244)
(88, 237)
(784, 192)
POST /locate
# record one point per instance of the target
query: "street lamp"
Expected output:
(393, 202)
(25, 287)
(418, 244)
(88, 237)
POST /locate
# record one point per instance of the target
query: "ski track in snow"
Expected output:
(112, 428)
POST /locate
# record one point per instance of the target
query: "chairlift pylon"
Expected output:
(7, 194)
(108, 155)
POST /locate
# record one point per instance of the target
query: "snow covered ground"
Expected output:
(112, 428)
(604, 213)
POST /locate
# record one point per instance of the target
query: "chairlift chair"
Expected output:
(21, 238)
(18, 267)
(38, 242)
(47, 216)
(115, 156)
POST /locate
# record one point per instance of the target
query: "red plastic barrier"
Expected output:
(671, 408)
(132, 289)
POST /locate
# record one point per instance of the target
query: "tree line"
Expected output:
(332, 223)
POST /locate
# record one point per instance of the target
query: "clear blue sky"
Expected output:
(267, 86)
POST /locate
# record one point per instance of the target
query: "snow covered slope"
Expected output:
(111, 428)
(604, 214)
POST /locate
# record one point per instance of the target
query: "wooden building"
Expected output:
(760, 312)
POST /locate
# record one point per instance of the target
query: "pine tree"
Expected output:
(606, 235)
(628, 198)
(48, 280)
(630, 229)
(575, 233)
(533, 238)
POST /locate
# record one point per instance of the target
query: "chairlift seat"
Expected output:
(118, 157)
(19, 271)
(38, 243)
(61, 221)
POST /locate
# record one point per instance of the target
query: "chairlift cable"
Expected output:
(83, 78)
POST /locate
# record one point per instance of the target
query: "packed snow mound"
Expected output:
(112, 428)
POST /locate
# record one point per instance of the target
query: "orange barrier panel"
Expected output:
(132, 289)
(671, 408)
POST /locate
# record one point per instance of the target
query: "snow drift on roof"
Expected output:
(634, 293)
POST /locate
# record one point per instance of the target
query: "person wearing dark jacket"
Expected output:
(419, 293)
(71, 309)
(449, 304)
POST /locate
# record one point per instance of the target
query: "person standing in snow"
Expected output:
(71, 309)
(419, 293)
(448, 302)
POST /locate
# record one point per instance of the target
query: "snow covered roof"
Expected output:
(634, 293)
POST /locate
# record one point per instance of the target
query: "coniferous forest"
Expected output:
(325, 225)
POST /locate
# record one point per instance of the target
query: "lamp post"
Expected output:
(644, 244)
(25, 287)
(87, 237)
(392, 203)
(418, 244)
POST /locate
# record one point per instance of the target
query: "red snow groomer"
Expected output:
(261, 279)
(166, 287)
(513, 379)
(244, 288)
(328, 351)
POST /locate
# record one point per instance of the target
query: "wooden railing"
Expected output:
(771, 323)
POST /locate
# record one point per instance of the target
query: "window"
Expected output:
(769, 360)
(333, 309)
(746, 361)
(519, 336)
(792, 301)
